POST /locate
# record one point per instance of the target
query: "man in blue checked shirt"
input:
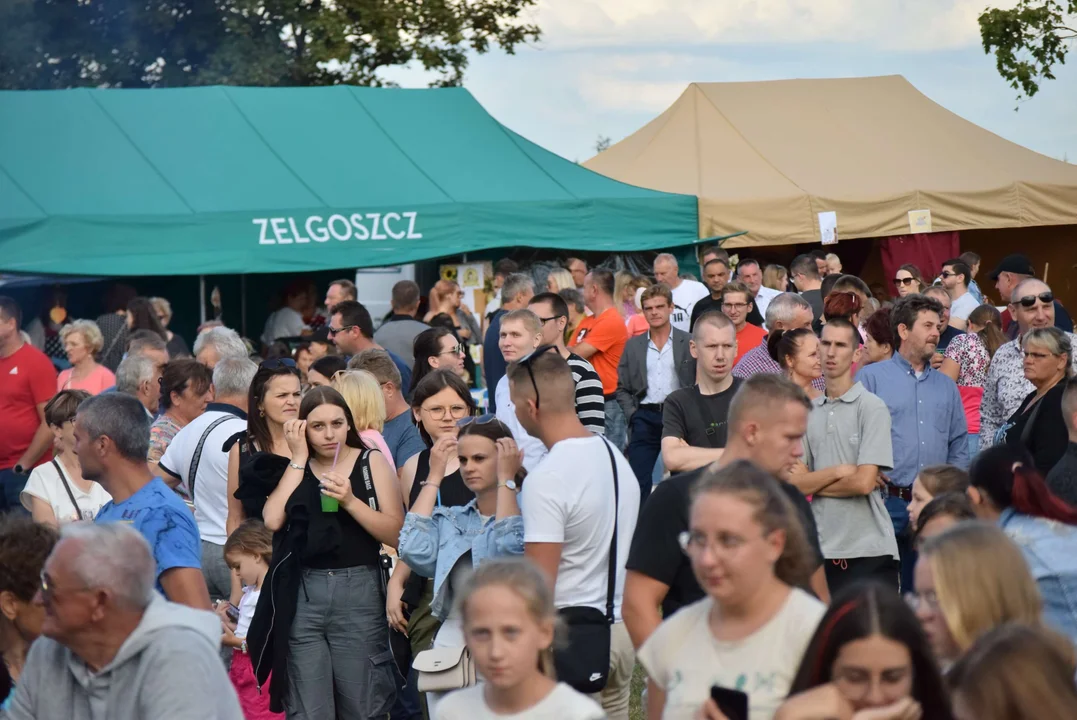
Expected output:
(927, 422)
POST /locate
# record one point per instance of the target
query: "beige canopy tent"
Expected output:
(768, 157)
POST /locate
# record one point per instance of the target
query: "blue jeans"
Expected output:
(616, 427)
(644, 446)
(899, 516)
(11, 486)
(974, 445)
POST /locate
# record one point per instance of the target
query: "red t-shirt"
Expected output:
(748, 339)
(27, 379)
(607, 334)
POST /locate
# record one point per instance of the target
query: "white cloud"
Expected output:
(919, 24)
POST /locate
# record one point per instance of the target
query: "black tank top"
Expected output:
(357, 547)
(453, 491)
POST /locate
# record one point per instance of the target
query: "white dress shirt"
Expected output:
(661, 371)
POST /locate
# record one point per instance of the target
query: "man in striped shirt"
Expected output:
(552, 311)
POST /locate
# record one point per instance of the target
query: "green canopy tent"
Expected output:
(246, 180)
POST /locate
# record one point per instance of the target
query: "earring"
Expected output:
(261, 413)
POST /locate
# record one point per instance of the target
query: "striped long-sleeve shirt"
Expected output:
(590, 403)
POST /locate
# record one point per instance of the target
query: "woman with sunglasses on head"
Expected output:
(258, 457)
(445, 543)
(319, 628)
(436, 349)
(750, 555)
(908, 280)
(1038, 426)
(440, 401)
(1006, 489)
(362, 392)
(869, 658)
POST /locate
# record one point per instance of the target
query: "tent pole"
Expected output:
(243, 305)
(202, 299)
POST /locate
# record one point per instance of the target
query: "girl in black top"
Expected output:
(440, 401)
(320, 627)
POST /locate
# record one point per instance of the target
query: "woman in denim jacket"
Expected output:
(445, 543)
(1006, 489)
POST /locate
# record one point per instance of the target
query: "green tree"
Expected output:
(1029, 40)
(168, 43)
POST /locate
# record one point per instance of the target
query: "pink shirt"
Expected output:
(99, 380)
(374, 438)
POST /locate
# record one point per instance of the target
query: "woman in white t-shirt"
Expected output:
(509, 619)
(56, 492)
(750, 555)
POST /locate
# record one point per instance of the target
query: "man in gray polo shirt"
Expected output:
(845, 448)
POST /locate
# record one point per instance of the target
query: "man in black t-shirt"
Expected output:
(694, 418)
(767, 421)
(715, 277)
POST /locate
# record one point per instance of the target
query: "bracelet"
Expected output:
(297, 467)
(424, 483)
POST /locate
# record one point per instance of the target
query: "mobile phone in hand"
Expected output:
(732, 703)
(232, 612)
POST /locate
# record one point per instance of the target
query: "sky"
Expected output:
(607, 67)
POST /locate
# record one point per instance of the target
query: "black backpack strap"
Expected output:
(197, 457)
(611, 578)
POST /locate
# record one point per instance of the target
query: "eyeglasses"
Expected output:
(735, 306)
(904, 281)
(439, 413)
(945, 274)
(336, 331)
(923, 600)
(527, 361)
(693, 542)
(456, 349)
(1028, 301)
(49, 590)
(555, 317)
(1037, 355)
(277, 363)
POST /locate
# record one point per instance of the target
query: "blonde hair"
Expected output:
(981, 581)
(562, 280)
(361, 390)
(442, 289)
(89, 331)
(1017, 672)
(776, 277)
(522, 577)
(163, 308)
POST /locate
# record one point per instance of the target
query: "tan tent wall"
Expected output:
(767, 157)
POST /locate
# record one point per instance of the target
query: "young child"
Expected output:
(509, 621)
(247, 551)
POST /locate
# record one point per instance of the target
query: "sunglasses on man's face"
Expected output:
(336, 331)
(1029, 301)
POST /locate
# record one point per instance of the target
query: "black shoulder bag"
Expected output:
(196, 458)
(584, 662)
(70, 495)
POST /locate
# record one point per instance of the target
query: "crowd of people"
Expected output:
(778, 493)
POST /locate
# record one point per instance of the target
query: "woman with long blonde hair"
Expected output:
(969, 580)
(362, 392)
(559, 280)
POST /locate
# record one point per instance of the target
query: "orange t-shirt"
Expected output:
(748, 339)
(607, 334)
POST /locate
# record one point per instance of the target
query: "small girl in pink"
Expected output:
(247, 551)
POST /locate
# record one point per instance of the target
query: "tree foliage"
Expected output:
(168, 43)
(1029, 40)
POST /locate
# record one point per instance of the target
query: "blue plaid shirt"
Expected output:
(927, 422)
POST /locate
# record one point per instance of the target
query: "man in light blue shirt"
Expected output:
(927, 422)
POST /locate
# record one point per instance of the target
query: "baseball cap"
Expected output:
(321, 335)
(1016, 263)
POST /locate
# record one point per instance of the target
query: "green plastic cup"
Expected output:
(329, 504)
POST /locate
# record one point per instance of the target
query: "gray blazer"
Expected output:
(632, 370)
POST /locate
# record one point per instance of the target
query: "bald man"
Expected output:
(686, 293)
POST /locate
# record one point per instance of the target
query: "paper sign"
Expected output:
(919, 221)
(828, 227)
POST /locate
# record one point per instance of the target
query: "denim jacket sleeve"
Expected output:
(418, 546)
(504, 537)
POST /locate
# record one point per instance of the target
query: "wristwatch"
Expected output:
(510, 484)
(19, 470)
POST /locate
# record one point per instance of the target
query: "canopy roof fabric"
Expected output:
(241, 180)
(769, 156)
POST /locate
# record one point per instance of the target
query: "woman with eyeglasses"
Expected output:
(362, 392)
(750, 555)
(436, 349)
(1038, 426)
(908, 280)
(869, 655)
(446, 543)
(318, 635)
(1006, 489)
(797, 353)
(970, 579)
(258, 457)
(440, 401)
